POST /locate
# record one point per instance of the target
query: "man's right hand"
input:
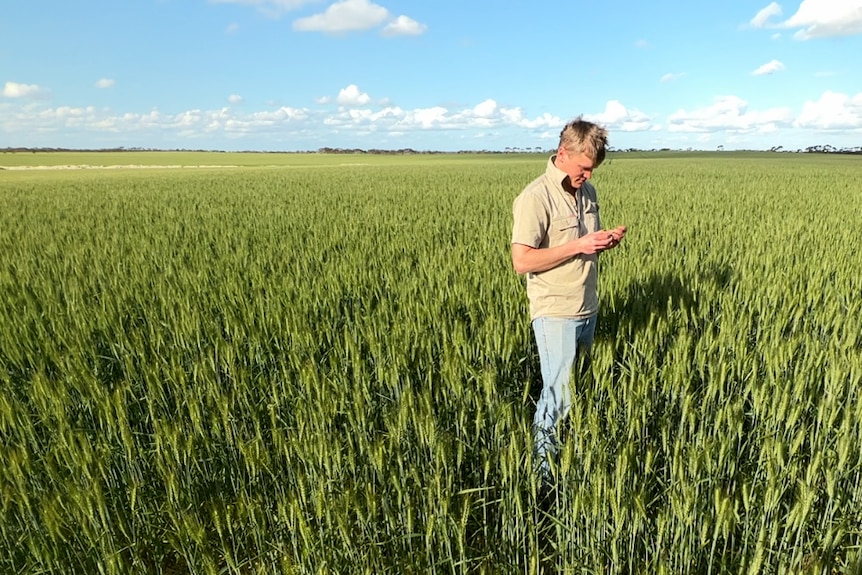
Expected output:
(600, 241)
(527, 259)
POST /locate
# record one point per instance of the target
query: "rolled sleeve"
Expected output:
(530, 221)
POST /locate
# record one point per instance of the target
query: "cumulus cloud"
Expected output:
(428, 117)
(352, 96)
(486, 109)
(487, 114)
(617, 117)
(770, 67)
(353, 15)
(341, 16)
(344, 16)
(404, 26)
(270, 118)
(189, 124)
(815, 18)
(515, 117)
(16, 90)
(822, 18)
(355, 118)
(358, 117)
(833, 111)
(730, 114)
(235, 99)
(105, 83)
(761, 19)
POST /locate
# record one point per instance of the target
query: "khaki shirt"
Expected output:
(546, 215)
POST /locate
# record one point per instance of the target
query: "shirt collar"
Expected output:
(555, 173)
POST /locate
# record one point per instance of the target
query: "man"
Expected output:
(556, 239)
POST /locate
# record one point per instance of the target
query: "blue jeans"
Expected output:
(560, 341)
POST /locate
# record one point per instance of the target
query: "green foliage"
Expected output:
(329, 369)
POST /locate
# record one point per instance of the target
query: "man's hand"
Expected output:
(601, 240)
(527, 259)
(616, 236)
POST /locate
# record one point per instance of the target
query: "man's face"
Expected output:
(579, 167)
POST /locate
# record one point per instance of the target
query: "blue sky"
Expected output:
(294, 75)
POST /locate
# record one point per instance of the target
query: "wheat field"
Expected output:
(324, 365)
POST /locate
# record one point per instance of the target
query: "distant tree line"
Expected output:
(827, 149)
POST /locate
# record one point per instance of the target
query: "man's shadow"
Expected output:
(658, 294)
(628, 312)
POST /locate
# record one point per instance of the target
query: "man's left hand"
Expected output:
(615, 236)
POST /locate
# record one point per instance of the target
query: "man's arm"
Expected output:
(527, 259)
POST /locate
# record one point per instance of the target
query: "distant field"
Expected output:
(272, 159)
(323, 364)
(239, 159)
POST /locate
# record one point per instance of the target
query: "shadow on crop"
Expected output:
(655, 296)
(659, 295)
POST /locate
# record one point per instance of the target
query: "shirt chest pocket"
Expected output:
(563, 230)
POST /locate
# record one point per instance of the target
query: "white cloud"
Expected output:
(769, 68)
(730, 114)
(515, 117)
(352, 96)
(362, 122)
(346, 126)
(276, 117)
(231, 29)
(761, 19)
(344, 16)
(365, 119)
(191, 124)
(833, 111)
(428, 117)
(669, 77)
(404, 26)
(105, 83)
(816, 18)
(235, 99)
(486, 109)
(16, 90)
(393, 120)
(617, 117)
(341, 16)
(822, 18)
(642, 44)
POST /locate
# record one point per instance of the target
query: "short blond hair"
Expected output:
(582, 137)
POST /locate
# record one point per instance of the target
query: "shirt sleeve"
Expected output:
(531, 220)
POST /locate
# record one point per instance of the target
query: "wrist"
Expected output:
(576, 248)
